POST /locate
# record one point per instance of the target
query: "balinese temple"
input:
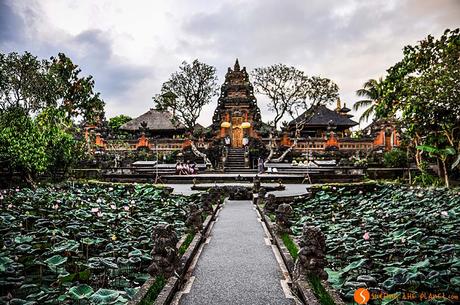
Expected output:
(155, 123)
(323, 120)
(237, 117)
(237, 114)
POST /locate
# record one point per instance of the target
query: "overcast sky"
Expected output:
(131, 47)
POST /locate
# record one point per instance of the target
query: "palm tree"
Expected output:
(372, 92)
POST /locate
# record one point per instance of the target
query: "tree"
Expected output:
(290, 92)
(284, 86)
(372, 92)
(187, 91)
(39, 102)
(423, 90)
(441, 154)
(22, 146)
(116, 122)
(34, 84)
(22, 79)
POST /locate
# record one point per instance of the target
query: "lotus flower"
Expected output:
(10, 206)
(444, 213)
(366, 236)
(95, 210)
(126, 208)
(56, 206)
(17, 190)
(113, 207)
(1, 197)
(133, 202)
(99, 200)
(99, 214)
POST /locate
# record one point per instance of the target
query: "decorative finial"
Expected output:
(339, 106)
(237, 66)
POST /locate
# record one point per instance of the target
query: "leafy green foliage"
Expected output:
(84, 242)
(372, 92)
(117, 121)
(187, 91)
(395, 158)
(36, 145)
(394, 238)
(422, 91)
(39, 101)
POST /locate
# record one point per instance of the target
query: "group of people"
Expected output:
(186, 168)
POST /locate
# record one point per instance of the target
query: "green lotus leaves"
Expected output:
(105, 296)
(55, 261)
(80, 292)
(405, 238)
(23, 239)
(65, 248)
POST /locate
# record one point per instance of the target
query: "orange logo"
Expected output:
(362, 296)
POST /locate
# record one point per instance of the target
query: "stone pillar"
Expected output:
(164, 252)
(312, 254)
(283, 215)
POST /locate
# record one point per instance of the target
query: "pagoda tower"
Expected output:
(237, 114)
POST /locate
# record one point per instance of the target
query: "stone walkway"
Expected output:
(237, 266)
(291, 189)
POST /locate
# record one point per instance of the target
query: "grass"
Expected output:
(319, 290)
(186, 243)
(154, 291)
(290, 245)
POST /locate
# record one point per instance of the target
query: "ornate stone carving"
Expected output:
(206, 202)
(312, 254)
(270, 204)
(283, 215)
(164, 252)
(261, 196)
(256, 182)
(194, 219)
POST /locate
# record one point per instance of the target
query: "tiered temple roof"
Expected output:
(237, 98)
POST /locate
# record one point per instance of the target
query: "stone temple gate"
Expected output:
(237, 115)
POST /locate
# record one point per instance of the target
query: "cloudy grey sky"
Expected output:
(131, 47)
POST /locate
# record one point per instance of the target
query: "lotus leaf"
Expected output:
(80, 292)
(105, 296)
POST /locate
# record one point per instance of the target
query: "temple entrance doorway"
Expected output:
(237, 137)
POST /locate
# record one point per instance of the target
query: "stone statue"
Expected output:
(270, 204)
(256, 182)
(206, 203)
(194, 220)
(312, 254)
(261, 196)
(164, 252)
(283, 215)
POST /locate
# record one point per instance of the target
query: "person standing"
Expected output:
(260, 165)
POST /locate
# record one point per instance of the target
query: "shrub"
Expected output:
(395, 158)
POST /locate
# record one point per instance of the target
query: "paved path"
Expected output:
(237, 266)
(291, 189)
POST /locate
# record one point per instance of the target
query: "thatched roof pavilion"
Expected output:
(154, 122)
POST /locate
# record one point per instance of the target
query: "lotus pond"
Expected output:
(90, 243)
(391, 239)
